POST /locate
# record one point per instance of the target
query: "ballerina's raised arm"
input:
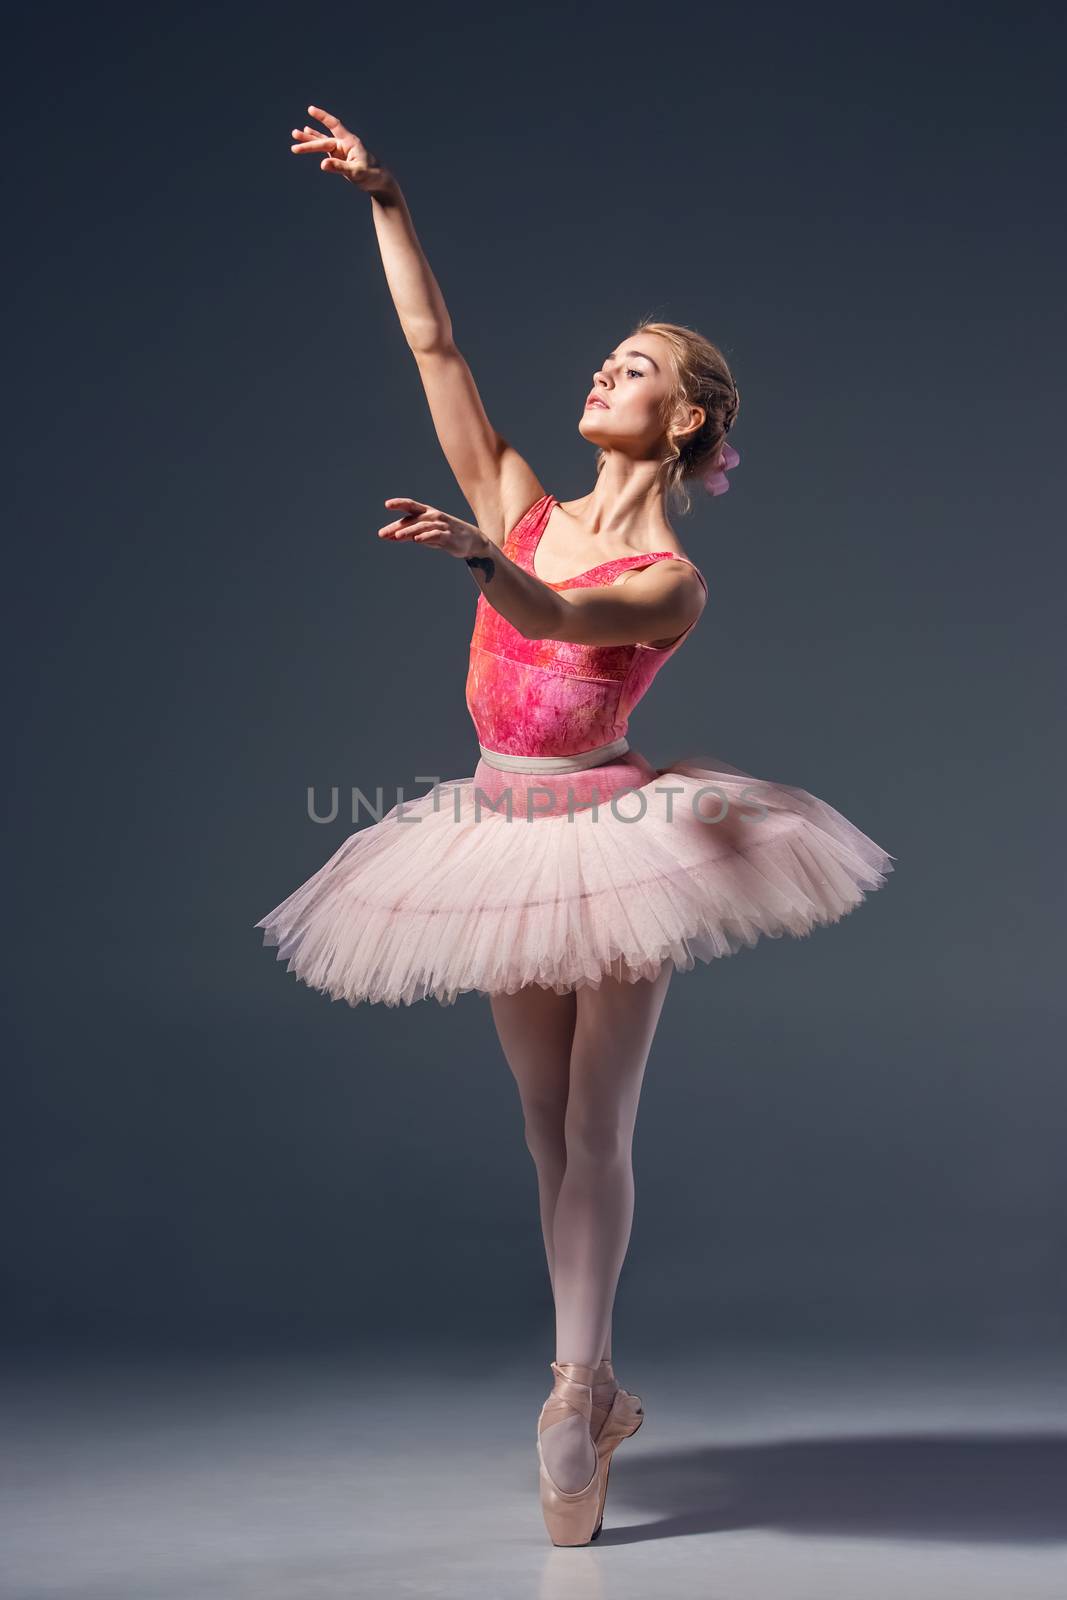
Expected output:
(494, 479)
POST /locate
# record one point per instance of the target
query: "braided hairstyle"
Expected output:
(702, 377)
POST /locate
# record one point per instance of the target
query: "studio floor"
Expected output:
(399, 1474)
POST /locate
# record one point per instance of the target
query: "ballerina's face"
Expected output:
(630, 391)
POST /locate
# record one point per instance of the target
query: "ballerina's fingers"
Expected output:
(413, 530)
(335, 125)
(315, 142)
(429, 518)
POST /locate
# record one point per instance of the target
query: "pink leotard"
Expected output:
(545, 697)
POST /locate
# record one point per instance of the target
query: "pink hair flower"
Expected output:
(714, 479)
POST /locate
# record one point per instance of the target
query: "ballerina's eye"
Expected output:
(640, 374)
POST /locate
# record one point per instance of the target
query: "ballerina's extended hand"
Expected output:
(424, 524)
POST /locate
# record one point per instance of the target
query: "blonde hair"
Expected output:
(702, 377)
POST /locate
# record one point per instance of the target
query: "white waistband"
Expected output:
(587, 758)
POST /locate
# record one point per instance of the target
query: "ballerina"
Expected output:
(567, 878)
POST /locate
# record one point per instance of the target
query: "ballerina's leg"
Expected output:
(614, 1028)
(535, 1027)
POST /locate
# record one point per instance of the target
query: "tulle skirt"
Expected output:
(507, 878)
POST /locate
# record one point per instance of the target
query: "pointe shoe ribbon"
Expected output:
(572, 1391)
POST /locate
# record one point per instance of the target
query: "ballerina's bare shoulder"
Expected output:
(568, 577)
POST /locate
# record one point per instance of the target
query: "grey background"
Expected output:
(854, 1138)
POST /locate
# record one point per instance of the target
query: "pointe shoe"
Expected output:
(570, 1517)
(620, 1421)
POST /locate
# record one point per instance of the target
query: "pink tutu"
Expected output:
(508, 878)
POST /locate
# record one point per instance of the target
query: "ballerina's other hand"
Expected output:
(424, 524)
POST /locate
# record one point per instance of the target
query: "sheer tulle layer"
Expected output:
(606, 872)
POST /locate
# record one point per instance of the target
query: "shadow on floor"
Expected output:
(981, 1488)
